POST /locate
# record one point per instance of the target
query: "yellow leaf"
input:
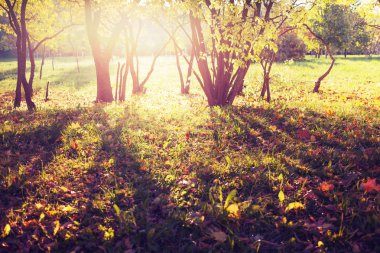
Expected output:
(42, 216)
(273, 128)
(6, 231)
(64, 189)
(39, 206)
(56, 227)
(75, 125)
(281, 196)
(233, 211)
(219, 236)
(68, 209)
(294, 205)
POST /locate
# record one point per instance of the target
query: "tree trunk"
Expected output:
(32, 65)
(117, 80)
(104, 89)
(77, 58)
(18, 97)
(47, 92)
(42, 61)
(266, 88)
(345, 53)
(124, 83)
(179, 71)
(52, 60)
(189, 72)
(328, 52)
(101, 57)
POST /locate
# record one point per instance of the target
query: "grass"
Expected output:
(165, 173)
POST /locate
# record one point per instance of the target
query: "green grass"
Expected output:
(159, 172)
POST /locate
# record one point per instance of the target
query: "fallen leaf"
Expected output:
(281, 196)
(233, 211)
(294, 205)
(39, 206)
(64, 189)
(219, 236)
(303, 134)
(187, 136)
(56, 226)
(68, 209)
(273, 128)
(6, 230)
(74, 145)
(326, 186)
(370, 185)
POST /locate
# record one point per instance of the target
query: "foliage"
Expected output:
(290, 47)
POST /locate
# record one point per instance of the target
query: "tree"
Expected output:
(16, 12)
(224, 36)
(283, 18)
(132, 56)
(290, 47)
(329, 24)
(101, 53)
(44, 26)
(32, 27)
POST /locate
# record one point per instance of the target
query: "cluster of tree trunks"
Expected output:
(185, 85)
(121, 81)
(221, 84)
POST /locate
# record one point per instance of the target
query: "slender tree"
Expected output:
(16, 12)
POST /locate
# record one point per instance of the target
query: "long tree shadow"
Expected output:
(26, 149)
(308, 148)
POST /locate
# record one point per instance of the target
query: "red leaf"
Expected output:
(187, 136)
(370, 185)
(303, 134)
(326, 186)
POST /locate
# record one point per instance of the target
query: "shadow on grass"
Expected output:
(302, 145)
(107, 198)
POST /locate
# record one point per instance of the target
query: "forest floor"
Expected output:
(163, 172)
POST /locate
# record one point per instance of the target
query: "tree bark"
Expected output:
(32, 64)
(101, 57)
(42, 61)
(179, 71)
(104, 89)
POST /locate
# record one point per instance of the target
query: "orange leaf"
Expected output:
(74, 145)
(370, 185)
(325, 186)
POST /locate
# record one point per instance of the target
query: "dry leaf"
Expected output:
(6, 230)
(219, 236)
(370, 185)
(326, 186)
(233, 211)
(294, 205)
(56, 227)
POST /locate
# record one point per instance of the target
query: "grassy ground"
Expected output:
(164, 173)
